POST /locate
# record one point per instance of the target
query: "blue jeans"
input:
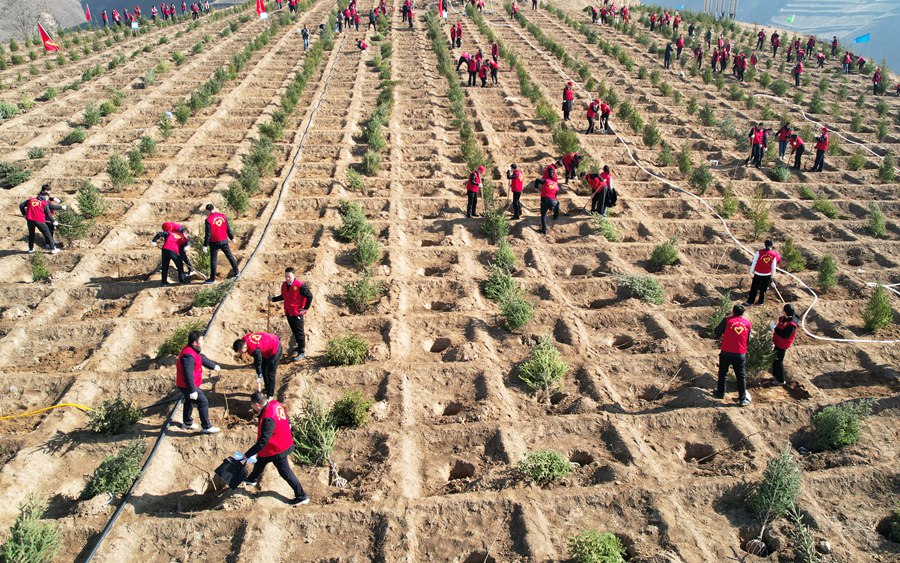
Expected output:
(305, 43)
(782, 148)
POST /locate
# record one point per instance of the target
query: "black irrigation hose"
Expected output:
(162, 433)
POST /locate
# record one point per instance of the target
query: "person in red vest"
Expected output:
(452, 36)
(820, 59)
(763, 267)
(514, 175)
(592, 110)
(463, 59)
(760, 39)
(183, 243)
(570, 163)
(734, 331)
(821, 148)
(797, 149)
(698, 55)
(105, 18)
(195, 10)
(653, 22)
(153, 12)
(600, 185)
(679, 45)
(605, 111)
(860, 63)
(797, 72)
(776, 42)
(495, 68)
(784, 135)
(189, 376)
(472, 65)
(217, 233)
(754, 60)
(834, 46)
(473, 184)
(876, 80)
(846, 61)
(183, 8)
(265, 349)
(173, 242)
(297, 298)
(515, 9)
(37, 211)
(274, 444)
(783, 334)
(361, 45)
(409, 18)
(549, 189)
(483, 74)
(568, 99)
(459, 34)
(550, 171)
(801, 54)
(495, 52)
(811, 44)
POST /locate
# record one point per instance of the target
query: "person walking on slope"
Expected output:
(173, 242)
(188, 377)
(274, 444)
(473, 184)
(734, 330)
(568, 99)
(265, 349)
(763, 267)
(36, 211)
(760, 39)
(592, 110)
(797, 149)
(297, 299)
(570, 163)
(549, 189)
(821, 148)
(876, 81)
(783, 334)
(667, 60)
(217, 233)
(473, 71)
(797, 72)
(784, 135)
(495, 68)
(514, 175)
(601, 188)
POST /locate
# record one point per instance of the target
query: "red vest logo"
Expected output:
(739, 329)
(279, 413)
(255, 338)
(35, 203)
(218, 221)
(767, 259)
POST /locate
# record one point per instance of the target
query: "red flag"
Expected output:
(49, 45)
(260, 7)
(87, 12)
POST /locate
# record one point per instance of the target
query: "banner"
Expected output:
(863, 38)
(791, 19)
(261, 9)
(49, 45)
(87, 12)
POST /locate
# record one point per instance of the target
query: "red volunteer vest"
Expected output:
(595, 182)
(605, 109)
(515, 184)
(293, 301)
(198, 368)
(765, 265)
(737, 333)
(549, 189)
(174, 242)
(282, 438)
(568, 94)
(784, 343)
(592, 109)
(36, 210)
(171, 227)
(218, 227)
(823, 144)
(473, 186)
(267, 343)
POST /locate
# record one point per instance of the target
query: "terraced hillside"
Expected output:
(389, 133)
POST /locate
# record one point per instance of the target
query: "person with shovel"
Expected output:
(549, 189)
(297, 298)
(265, 349)
(783, 334)
(274, 444)
(763, 267)
(473, 184)
(217, 233)
(37, 211)
(734, 330)
(189, 376)
(514, 175)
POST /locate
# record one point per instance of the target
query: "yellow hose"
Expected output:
(79, 407)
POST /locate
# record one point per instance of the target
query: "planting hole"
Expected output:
(557, 398)
(453, 409)
(479, 557)
(621, 341)
(754, 545)
(435, 271)
(698, 452)
(461, 470)
(579, 270)
(884, 528)
(441, 306)
(581, 457)
(437, 345)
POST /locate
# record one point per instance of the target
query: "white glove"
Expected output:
(64, 206)
(57, 200)
(193, 396)
(237, 456)
(55, 223)
(217, 368)
(773, 283)
(153, 243)
(772, 326)
(251, 459)
(205, 250)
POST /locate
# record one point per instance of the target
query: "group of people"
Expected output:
(609, 13)
(39, 213)
(176, 239)
(476, 65)
(787, 137)
(167, 11)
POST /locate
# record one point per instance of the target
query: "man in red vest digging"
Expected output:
(783, 334)
(734, 331)
(265, 349)
(297, 298)
(274, 444)
(765, 261)
(217, 233)
(189, 376)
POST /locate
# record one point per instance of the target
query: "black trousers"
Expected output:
(667, 61)
(796, 80)
(171, 256)
(778, 364)
(598, 202)
(737, 361)
(472, 78)
(202, 405)
(757, 155)
(759, 43)
(798, 154)
(471, 204)
(759, 285)
(678, 53)
(283, 466)
(269, 368)
(296, 324)
(567, 109)
(548, 204)
(214, 248)
(45, 232)
(590, 128)
(494, 79)
(820, 161)
(604, 121)
(182, 252)
(570, 172)
(517, 204)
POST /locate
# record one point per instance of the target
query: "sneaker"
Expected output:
(211, 430)
(300, 355)
(745, 401)
(747, 304)
(299, 500)
(191, 273)
(775, 383)
(209, 282)
(54, 251)
(718, 395)
(30, 251)
(250, 483)
(191, 426)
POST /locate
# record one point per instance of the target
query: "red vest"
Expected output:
(568, 94)
(198, 368)
(823, 144)
(282, 438)
(174, 242)
(568, 159)
(605, 109)
(171, 227)
(36, 210)
(495, 50)
(515, 184)
(293, 301)
(473, 186)
(550, 173)
(784, 343)
(736, 335)
(592, 109)
(765, 264)
(218, 227)
(549, 189)
(606, 179)
(595, 182)
(267, 343)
